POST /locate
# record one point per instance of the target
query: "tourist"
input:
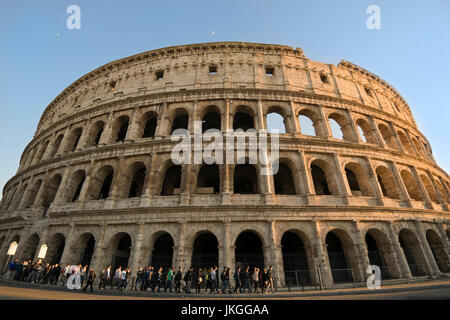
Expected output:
(188, 279)
(255, 280)
(12, 268)
(246, 280)
(269, 279)
(178, 279)
(237, 280)
(169, 280)
(123, 279)
(90, 280)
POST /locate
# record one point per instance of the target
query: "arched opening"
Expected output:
(181, 121)
(441, 189)
(323, 179)
(245, 179)
(387, 183)
(438, 251)
(413, 252)
(95, 133)
(243, 120)
(75, 186)
(137, 183)
(340, 128)
(430, 188)
(275, 123)
(31, 194)
(388, 136)
(206, 251)
(121, 255)
(419, 148)
(19, 197)
(249, 251)
(42, 151)
(295, 260)
(172, 181)
(30, 248)
(283, 180)
(340, 255)
(411, 185)
(50, 191)
(366, 131)
(380, 253)
(208, 180)
(120, 128)
(150, 122)
(405, 142)
(85, 250)
(358, 180)
(309, 123)
(73, 140)
(162, 253)
(56, 145)
(101, 184)
(211, 120)
(55, 249)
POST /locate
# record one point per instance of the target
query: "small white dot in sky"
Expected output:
(58, 34)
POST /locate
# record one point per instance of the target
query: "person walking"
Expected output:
(214, 281)
(246, 280)
(188, 279)
(270, 280)
(90, 279)
(12, 268)
(237, 280)
(208, 280)
(255, 280)
(178, 278)
(199, 281)
(123, 279)
(117, 276)
(169, 280)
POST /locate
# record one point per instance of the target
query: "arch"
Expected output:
(297, 264)
(211, 119)
(205, 253)
(32, 193)
(323, 178)
(172, 181)
(276, 121)
(101, 183)
(148, 124)
(42, 150)
(430, 188)
(30, 247)
(249, 250)
(413, 252)
(136, 185)
(405, 142)
(84, 249)
(243, 119)
(74, 186)
(340, 127)
(441, 189)
(342, 256)
(56, 145)
(119, 250)
(72, 140)
(56, 245)
(387, 182)
(208, 180)
(162, 252)
(283, 180)
(309, 123)
(419, 148)
(411, 185)
(388, 136)
(19, 196)
(95, 133)
(358, 180)
(438, 251)
(245, 179)
(51, 188)
(366, 131)
(381, 253)
(180, 120)
(120, 128)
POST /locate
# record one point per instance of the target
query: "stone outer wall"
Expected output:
(418, 190)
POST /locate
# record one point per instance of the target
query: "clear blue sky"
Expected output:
(411, 51)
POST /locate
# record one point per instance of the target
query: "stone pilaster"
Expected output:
(401, 259)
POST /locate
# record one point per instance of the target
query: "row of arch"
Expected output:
(343, 259)
(309, 121)
(323, 178)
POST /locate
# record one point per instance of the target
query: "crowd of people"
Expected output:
(207, 280)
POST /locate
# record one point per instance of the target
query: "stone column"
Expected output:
(4, 250)
(376, 132)
(162, 122)
(277, 255)
(396, 137)
(68, 247)
(444, 238)
(97, 263)
(400, 254)
(422, 188)
(320, 257)
(342, 184)
(180, 248)
(106, 134)
(84, 135)
(59, 197)
(326, 129)
(133, 125)
(403, 191)
(226, 247)
(441, 197)
(137, 249)
(431, 264)
(306, 180)
(361, 248)
(295, 125)
(351, 123)
(374, 181)
(64, 142)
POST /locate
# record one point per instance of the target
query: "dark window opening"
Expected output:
(338, 261)
(106, 186)
(206, 252)
(162, 253)
(209, 177)
(150, 128)
(352, 181)
(211, 121)
(78, 190)
(283, 181)
(122, 132)
(270, 71)
(212, 69)
(324, 78)
(180, 122)
(112, 85)
(295, 261)
(245, 179)
(137, 185)
(172, 181)
(98, 136)
(249, 251)
(368, 92)
(320, 181)
(159, 75)
(122, 254)
(243, 121)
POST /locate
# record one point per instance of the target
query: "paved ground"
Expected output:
(430, 290)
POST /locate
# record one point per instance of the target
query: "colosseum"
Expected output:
(97, 184)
